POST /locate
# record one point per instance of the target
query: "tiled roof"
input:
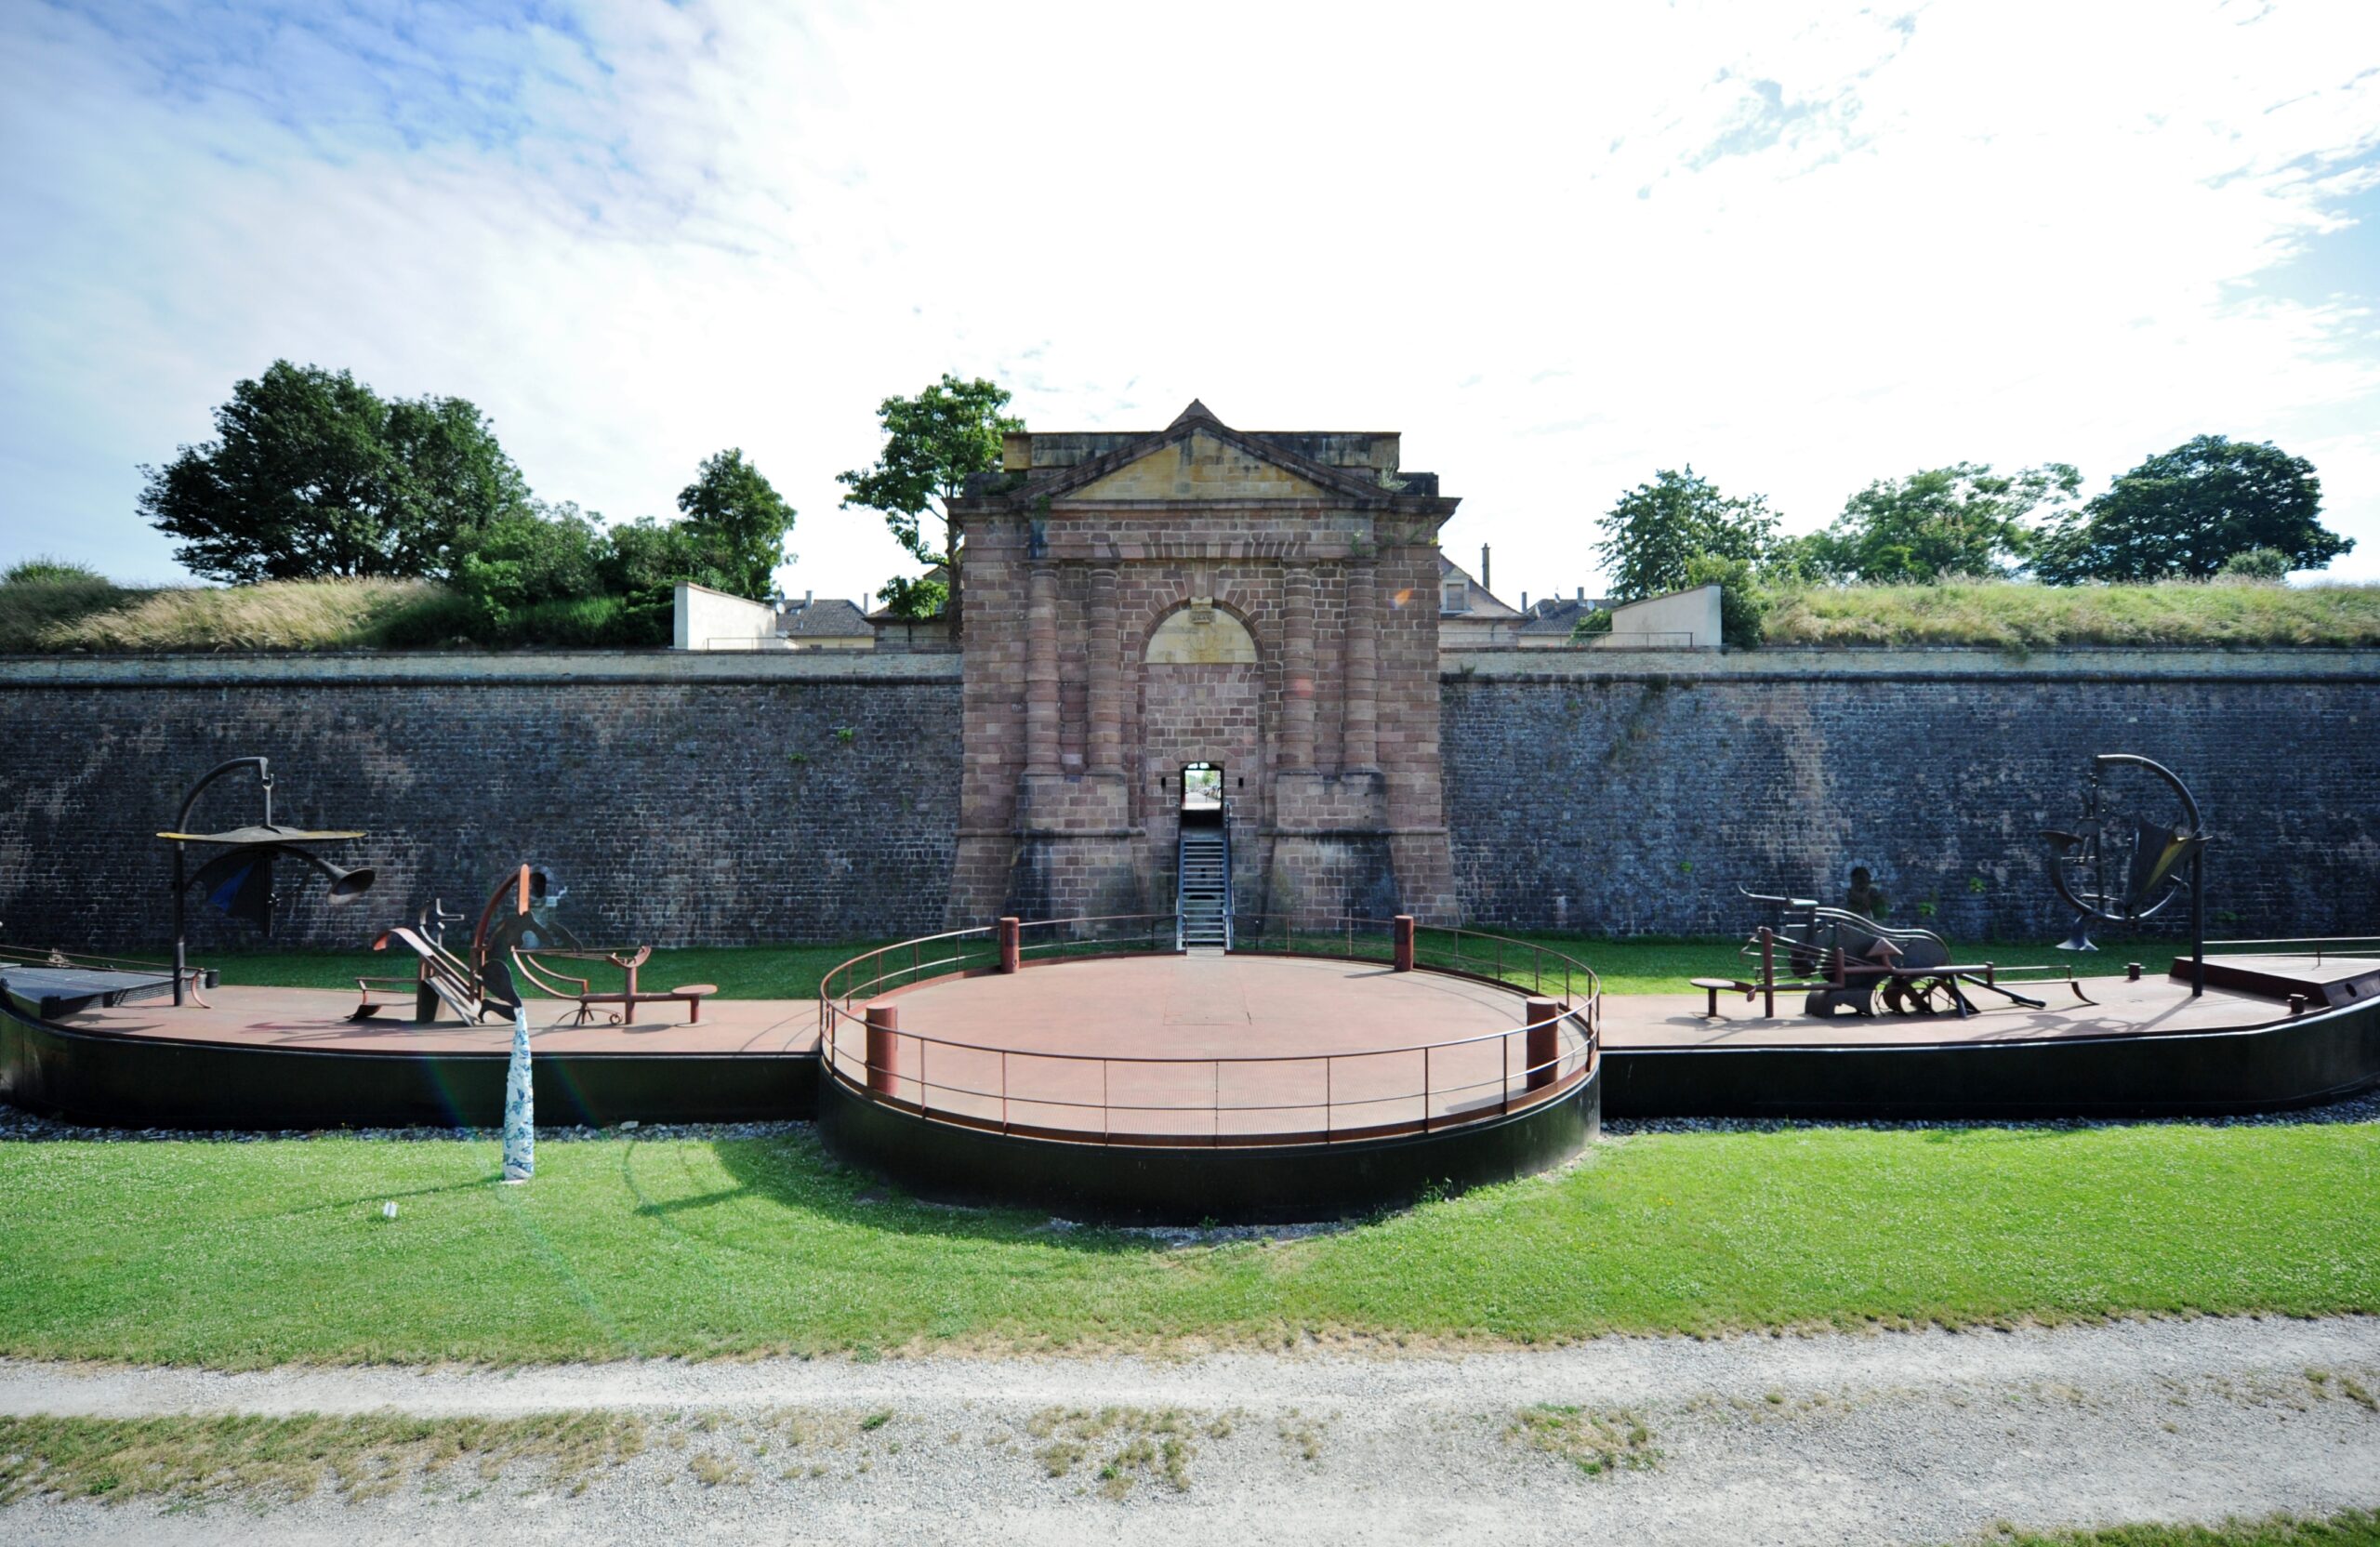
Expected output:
(826, 619)
(1483, 602)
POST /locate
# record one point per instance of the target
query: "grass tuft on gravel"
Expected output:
(1596, 1443)
(247, 1255)
(267, 1461)
(2352, 1529)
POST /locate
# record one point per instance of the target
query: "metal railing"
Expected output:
(2319, 947)
(1213, 1099)
(907, 962)
(1435, 946)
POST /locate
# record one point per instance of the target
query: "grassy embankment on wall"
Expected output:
(50, 608)
(2225, 614)
(61, 614)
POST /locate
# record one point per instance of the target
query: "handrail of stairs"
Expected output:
(1181, 863)
(1228, 904)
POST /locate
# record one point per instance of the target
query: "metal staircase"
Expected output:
(1202, 887)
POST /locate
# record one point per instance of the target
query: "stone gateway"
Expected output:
(1265, 603)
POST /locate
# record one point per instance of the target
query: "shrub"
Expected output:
(41, 595)
(1591, 624)
(2256, 564)
(1743, 601)
(42, 569)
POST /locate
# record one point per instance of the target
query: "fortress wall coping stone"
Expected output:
(360, 668)
(1944, 664)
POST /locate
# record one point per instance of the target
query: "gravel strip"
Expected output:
(1888, 1438)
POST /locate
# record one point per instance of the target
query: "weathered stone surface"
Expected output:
(1201, 595)
(674, 811)
(684, 802)
(1636, 803)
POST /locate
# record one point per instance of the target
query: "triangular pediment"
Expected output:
(1200, 467)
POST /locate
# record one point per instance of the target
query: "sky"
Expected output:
(1801, 248)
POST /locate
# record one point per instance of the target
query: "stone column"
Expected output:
(1107, 675)
(1041, 670)
(1359, 739)
(1297, 669)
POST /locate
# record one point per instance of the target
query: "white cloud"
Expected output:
(1558, 248)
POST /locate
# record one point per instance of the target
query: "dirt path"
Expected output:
(1919, 1437)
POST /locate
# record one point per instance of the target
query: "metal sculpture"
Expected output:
(1846, 960)
(2124, 866)
(239, 880)
(518, 941)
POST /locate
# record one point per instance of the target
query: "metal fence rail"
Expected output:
(1329, 1097)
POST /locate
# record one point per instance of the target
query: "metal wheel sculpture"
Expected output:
(2139, 847)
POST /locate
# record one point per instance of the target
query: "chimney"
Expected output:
(1583, 593)
(1484, 584)
(807, 595)
(1524, 602)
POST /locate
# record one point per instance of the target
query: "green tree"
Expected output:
(548, 553)
(923, 597)
(313, 473)
(1657, 528)
(1963, 520)
(933, 443)
(2188, 510)
(735, 524)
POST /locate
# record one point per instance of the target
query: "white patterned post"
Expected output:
(520, 1105)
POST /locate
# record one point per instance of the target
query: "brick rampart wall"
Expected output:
(677, 804)
(1635, 796)
(693, 801)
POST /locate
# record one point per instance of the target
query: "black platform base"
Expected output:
(1189, 1184)
(2302, 1062)
(136, 1082)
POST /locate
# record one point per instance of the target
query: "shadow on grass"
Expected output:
(798, 1175)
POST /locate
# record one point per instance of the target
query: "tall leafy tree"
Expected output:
(933, 443)
(2186, 511)
(736, 524)
(1965, 520)
(1657, 529)
(313, 473)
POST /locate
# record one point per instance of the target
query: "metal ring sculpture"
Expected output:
(2124, 868)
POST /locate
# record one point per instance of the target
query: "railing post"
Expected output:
(1769, 972)
(883, 1034)
(1544, 1043)
(1403, 924)
(1012, 944)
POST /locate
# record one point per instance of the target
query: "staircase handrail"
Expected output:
(1228, 904)
(1181, 860)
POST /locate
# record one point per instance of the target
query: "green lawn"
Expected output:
(252, 1254)
(1634, 966)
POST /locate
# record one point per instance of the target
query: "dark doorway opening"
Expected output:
(1202, 794)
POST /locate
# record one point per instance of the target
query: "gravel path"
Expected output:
(1891, 1438)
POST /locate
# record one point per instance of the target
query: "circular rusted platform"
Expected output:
(1237, 1048)
(1206, 1086)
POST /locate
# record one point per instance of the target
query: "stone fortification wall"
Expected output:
(680, 798)
(1631, 792)
(717, 799)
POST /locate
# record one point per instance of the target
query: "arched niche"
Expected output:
(1200, 634)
